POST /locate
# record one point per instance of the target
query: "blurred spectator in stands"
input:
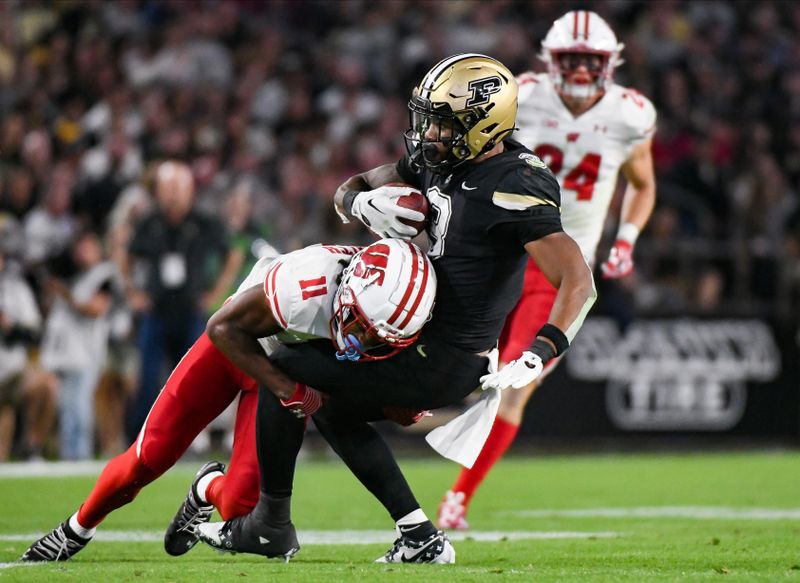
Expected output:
(76, 340)
(50, 227)
(179, 265)
(105, 170)
(18, 196)
(119, 380)
(23, 388)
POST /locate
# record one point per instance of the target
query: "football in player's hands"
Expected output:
(415, 201)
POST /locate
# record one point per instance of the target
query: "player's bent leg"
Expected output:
(202, 385)
(268, 529)
(236, 493)
(455, 504)
(233, 494)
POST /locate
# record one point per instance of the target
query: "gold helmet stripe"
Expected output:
(433, 75)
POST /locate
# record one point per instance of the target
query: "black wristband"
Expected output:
(347, 201)
(556, 336)
(543, 349)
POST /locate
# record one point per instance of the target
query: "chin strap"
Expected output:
(351, 352)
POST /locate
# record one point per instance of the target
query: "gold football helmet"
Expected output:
(463, 107)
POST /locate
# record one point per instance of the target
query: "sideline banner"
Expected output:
(711, 376)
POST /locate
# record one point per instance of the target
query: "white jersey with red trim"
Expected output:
(585, 153)
(299, 287)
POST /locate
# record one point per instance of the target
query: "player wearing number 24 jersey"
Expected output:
(586, 129)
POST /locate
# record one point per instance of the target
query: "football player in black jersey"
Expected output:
(493, 204)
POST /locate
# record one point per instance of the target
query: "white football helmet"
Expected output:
(385, 297)
(573, 40)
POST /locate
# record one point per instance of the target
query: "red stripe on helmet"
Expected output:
(272, 296)
(575, 26)
(586, 25)
(421, 293)
(409, 287)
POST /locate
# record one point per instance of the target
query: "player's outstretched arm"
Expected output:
(561, 261)
(235, 329)
(637, 206)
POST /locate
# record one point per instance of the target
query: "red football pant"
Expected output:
(528, 316)
(203, 384)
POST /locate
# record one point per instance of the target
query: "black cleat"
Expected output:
(60, 544)
(242, 535)
(181, 533)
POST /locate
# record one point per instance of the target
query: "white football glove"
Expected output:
(516, 374)
(379, 211)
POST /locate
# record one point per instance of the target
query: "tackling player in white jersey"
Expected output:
(587, 129)
(346, 294)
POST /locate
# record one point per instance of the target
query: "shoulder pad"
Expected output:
(638, 114)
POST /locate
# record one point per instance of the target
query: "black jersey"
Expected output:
(481, 217)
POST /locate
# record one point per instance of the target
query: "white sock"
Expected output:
(202, 485)
(414, 517)
(80, 530)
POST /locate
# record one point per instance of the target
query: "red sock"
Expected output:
(118, 484)
(500, 438)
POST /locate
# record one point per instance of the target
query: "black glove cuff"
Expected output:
(554, 335)
(347, 201)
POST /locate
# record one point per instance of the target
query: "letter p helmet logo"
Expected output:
(482, 88)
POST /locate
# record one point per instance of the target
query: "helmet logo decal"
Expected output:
(372, 263)
(482, 88)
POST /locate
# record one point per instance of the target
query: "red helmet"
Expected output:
(581, 37)
(385, 297)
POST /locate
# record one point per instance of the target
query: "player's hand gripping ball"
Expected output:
(415, 201)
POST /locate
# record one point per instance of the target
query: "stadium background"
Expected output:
(274, 104)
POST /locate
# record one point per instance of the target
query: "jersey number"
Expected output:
(313, 287)
(581, 179)
(441, 210)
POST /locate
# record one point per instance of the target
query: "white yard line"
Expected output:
(50, 469)
(691, 512)
(339, 537)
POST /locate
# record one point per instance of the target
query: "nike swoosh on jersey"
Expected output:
(406, 558)
(465, 187)
(421, 350)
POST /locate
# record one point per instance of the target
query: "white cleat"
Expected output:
(453, 511)
(434, 549)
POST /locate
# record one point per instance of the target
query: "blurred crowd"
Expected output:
(111, 259)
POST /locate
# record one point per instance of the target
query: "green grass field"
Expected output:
(731, 517)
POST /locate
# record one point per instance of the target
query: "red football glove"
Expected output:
(620, 261)
(403, 416)
(304, 402)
